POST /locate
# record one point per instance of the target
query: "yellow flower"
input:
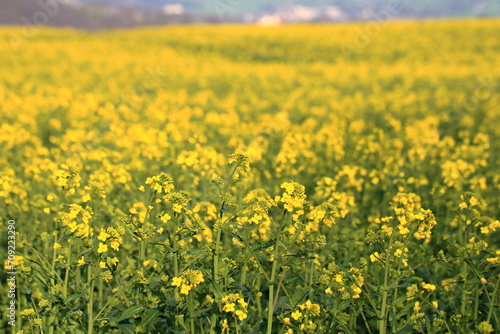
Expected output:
(86, 198)
(185, 289)
(57, 245)
(161, 183)
(241, 161)
(229, 307)
(386, 229)
(240, 314)
(102, 248)
(314, 309)
(177, 281)
(165, 218)
(43, 303)
(188, 280)
(242, 303)
(81, 262)
(296, 315)
(485, 328)
(28, 312)
(339, 278)
(233, 303)
(177, 207)
(46, 210)
(106, 275)
(294, 195)
(225, 325)
(115, 244)
(103, 236)
(150, 262)
(403, 229)
(375, 257)
(416, 307)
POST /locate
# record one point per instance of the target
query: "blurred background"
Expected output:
(101, 14)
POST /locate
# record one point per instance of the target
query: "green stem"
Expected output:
(111, 299)
(238, 331)
(191, 314)
(143, 251)
(213, 323)
(243, 276)
(218, 224)
(311, 278)
(463, 244)
(476, 303)
(143, 234)
(101, 292)
(217, 248)
(176, 254)
(279, 286)
(52, 280)
(492, 302)
(90, 305)
(270, 308)
(259, 301)
(382, 323)
(66, 278)
(53, 264)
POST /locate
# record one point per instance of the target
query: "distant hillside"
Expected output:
(101, 14)
(88, 15)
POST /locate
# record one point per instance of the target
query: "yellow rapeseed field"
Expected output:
(240, 179)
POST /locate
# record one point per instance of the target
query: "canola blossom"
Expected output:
(240, 179)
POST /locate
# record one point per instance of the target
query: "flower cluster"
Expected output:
(77, 220)
(293, 197)
(161, 183)
(235, 304)
(68, 177)
(188, 280)
(242, 162)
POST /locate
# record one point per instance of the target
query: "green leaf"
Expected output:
(75, 296)
(298, 295)
(404, 310)
(217, 290)
(147, 318)
(127, 328)
(130, 312)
